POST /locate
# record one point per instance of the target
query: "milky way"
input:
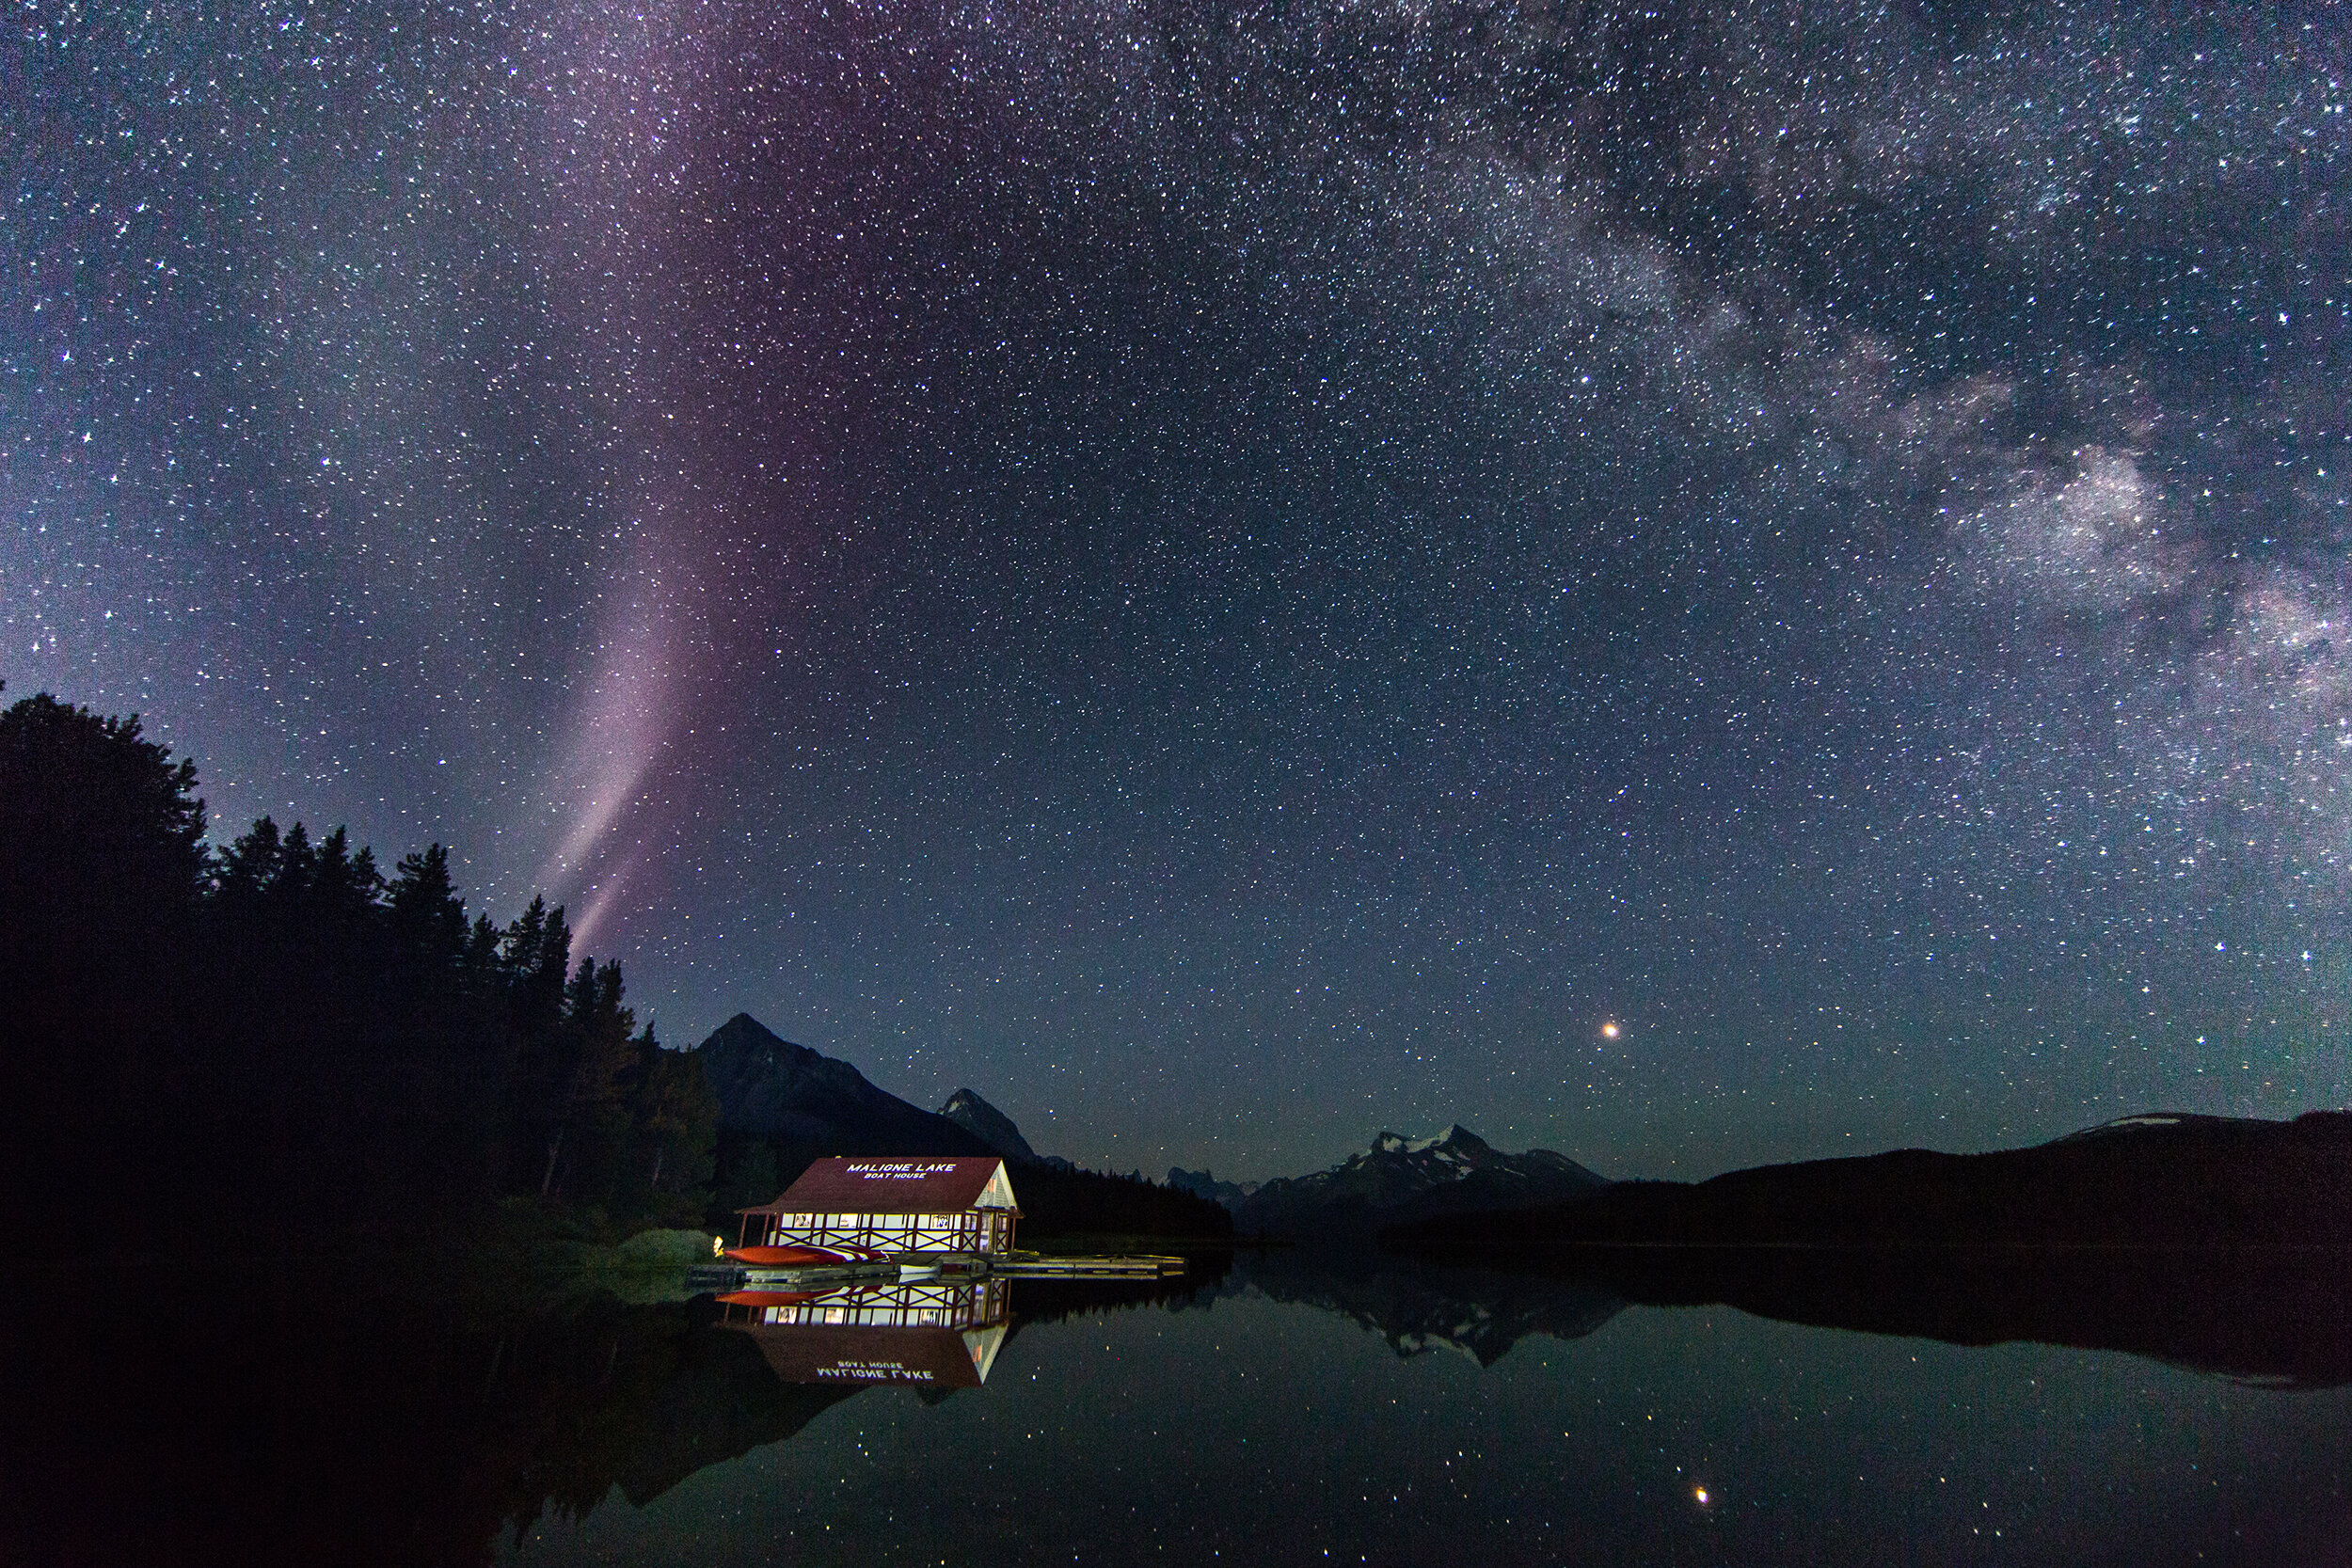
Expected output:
(1232, 576)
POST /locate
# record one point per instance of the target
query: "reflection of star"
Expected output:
(1608, 1031)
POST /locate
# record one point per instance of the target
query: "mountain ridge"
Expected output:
(2162, 1179)
(976, 1116)
(1399, 1180)
(772, 1088)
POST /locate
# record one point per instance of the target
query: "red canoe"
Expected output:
(768, 1298)
(789, 1257)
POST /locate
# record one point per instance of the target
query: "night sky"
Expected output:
(1232, 576)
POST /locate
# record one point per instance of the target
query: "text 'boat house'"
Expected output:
(947, 1211)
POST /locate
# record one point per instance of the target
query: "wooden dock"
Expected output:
(726, 1276)
(1035, 1265)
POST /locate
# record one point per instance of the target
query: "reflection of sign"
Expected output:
(932, 1333)
(882, 1372)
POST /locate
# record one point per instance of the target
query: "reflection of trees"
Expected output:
(1050, 1301)
(239, 1427)
(202, 1430)
(2265, 1314)
(302, 1425)
(1481, 1313)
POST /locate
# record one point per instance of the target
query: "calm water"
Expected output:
(1285, 1413)
(1293, 1415)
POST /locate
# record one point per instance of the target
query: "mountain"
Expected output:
(1202, 1185)
(967, 1110)
(2163, 1180)
(1402, 1179)
(772, 1088)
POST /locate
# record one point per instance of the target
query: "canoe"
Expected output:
(769, 1298)
(790, 1256)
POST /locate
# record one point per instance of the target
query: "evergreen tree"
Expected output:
(101, 864)
(247, 869)
(277, 1029)
(678, 1119)
(426, 912)
(102, 847)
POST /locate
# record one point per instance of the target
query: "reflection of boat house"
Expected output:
(926, 1333)
(943, 1211)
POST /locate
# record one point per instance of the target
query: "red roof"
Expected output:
(886, 1186)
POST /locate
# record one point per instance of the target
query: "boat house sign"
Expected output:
(935, 1210)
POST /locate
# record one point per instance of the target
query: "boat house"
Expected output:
(948, 1210)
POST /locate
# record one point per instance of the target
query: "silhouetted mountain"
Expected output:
(1400, 1180)
(2160, 1179)
(782, 1105)
(792, 1096)
(967, 1110)
(1202, 1185)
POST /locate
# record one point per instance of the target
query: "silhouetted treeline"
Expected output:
(2176, 1180)
(280, 1032)
(1055, 1202)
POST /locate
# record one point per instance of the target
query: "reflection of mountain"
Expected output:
(1402, 1179)
(1480, 1312)
(723, 1402)
(219, 1426)
(2265, 1314)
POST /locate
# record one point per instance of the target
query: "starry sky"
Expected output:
(1232, 574)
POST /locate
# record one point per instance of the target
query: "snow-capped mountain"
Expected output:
(1405, 1179)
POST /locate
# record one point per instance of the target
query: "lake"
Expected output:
(1275, 1409)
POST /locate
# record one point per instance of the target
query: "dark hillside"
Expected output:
(2164, 1180)
(1055, 1202)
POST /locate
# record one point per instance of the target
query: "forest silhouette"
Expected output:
(279, 1031)
(201, 1042)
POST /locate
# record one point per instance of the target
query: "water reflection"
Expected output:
(1480, 1313)
(333, 1421)
(2279, 1316)
(938, 1334)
